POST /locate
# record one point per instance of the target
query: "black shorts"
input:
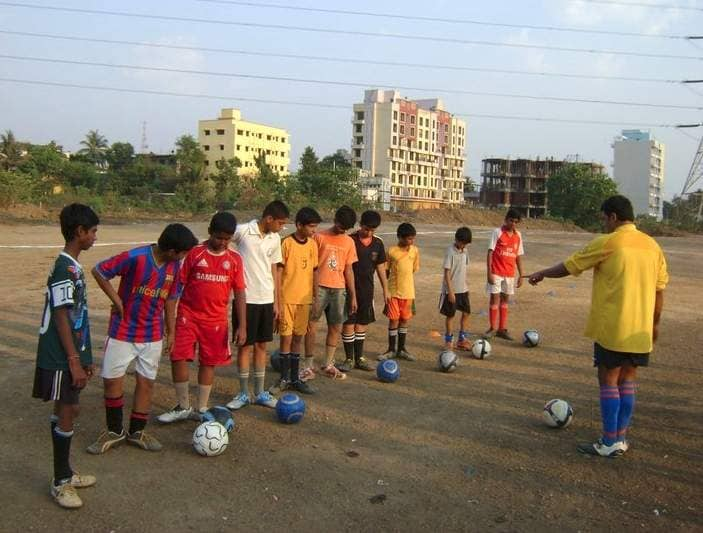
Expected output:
(365, 312)
(55, 385)
(611, 359)
(461, 304)
(259, 323)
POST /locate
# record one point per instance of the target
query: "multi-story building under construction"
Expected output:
(522, 183)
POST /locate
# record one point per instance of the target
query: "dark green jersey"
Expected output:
(65, 288)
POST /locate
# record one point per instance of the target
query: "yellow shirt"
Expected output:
(402, 264)
(299, 264)
(628, 269)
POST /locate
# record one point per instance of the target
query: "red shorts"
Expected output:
(212, 341)
(399, 309)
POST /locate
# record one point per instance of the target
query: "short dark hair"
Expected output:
(307, 215)
(176, 237)
(620, 205)
(406, 230)
(276, 210)
(370, 219)
(345, 217)
(74, 216)
(513, 213)
(223, 222)
(463, 234)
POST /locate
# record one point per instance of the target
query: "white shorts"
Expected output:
(501, 285)
(118, 355)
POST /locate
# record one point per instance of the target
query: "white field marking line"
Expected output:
(37, 246)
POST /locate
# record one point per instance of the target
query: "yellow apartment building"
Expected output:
(229, 136)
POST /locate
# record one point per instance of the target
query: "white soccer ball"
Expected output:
(210, 439)
(448, 361)
(481, 349)
(530, 338)
(557, 413)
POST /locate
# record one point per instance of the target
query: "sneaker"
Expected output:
(598, 448)
(81, 481)
(306, 374)
(239, 401)
(143, 440)
(489, 334)
(402, 354)
(503, 334)
(66, 496)
(106, 440)
(464, 345)
(363, 364)
(264, 398)
(175, 414)
(280, 386)
(346, 366)
(390, 354)
(333, 372)
(303, 387)
(624, 445)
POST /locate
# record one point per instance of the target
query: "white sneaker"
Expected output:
(239, 401)
(66, 496)
(175, 414)
(264, 398)
(601, 449)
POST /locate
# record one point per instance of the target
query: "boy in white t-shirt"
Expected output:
(455, 289)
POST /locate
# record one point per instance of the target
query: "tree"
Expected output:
(120, 156)
(10, 151)
(95, 150)
(309, 164)
(340, 159)
(576, 193)
(228, 187)
(190, 158)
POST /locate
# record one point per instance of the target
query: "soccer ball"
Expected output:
(530, 338)
(276, 360)
(557, 414)
(388, 371)
(219, 414)
(481, 349)
(447, 361)
(210, 439)
(290, 408)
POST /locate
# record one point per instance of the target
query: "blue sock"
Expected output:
(627, 406)
(462, 335)
(609, 407)
(448, 337)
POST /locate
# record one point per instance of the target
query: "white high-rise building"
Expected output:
(638, 169)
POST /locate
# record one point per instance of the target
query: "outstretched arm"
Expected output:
(556, 271)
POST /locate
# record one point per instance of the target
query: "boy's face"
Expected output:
(306, 230)
(406, 241)
(366, 231)
(511, 223)
(460, 245)
(219, 241)
(274, 225)
(86, 237)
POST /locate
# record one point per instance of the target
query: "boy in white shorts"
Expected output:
(504, 254)
(149, 288)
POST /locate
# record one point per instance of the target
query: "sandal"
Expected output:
(331, 371)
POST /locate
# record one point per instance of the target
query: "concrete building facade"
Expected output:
(414, 147)
(522, 183)
(638, 169)
(229, 136)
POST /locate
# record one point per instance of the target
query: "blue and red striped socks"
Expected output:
(609, 409)
(627, 406)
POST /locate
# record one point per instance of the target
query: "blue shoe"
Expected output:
(239, 401)
(264, 398)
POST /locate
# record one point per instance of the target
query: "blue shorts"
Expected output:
(611, 359)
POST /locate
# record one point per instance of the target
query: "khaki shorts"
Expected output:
(331, 302)
(295, 320)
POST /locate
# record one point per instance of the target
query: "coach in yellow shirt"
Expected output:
(629, 277)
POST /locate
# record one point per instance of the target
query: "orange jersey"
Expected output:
(506, 249)
(336, 252)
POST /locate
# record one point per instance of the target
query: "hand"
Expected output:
(535, 278)
(519, 282)
(89, 370)
(118, 309)
(168, 344)
(655, 333)
(276, 312)
(353, 306)
(79, 378)
(240, 336)
(490, 278)
(451, 297)
(387, 297)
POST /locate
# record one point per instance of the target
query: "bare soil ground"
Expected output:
(444, 452)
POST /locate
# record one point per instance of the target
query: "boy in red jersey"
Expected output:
(149, 287)
(209, 274)
(504, 254)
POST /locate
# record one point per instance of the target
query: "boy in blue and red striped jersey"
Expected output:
(149, 288)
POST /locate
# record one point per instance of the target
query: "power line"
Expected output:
(641, 4)
(331, 106)
(409, 37)
(419, 18)
(348, 83)
(347, 60)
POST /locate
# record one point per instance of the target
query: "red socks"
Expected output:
(503, 316)
(493, 315)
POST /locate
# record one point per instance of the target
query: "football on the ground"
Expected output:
(447, 361)
(530, 338)
(481, 349)
(210, 439)
(276, 360)
(219, 414)
(388, 371)
(557, 413)
(290, 408)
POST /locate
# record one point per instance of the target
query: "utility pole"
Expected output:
(144, 148)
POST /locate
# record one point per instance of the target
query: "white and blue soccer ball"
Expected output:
(481, 349)
(210, 439)
(219, 414)
(388, 371)
(448, 361)
(557, 413)
(530, 338)
(290, 408)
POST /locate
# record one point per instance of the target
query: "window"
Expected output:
(246, 148)
(283, 139)
(357, 152)
(247, 132)
(402, 129)
(357, 128)
(359, 140)
(402, 117)
(283, 154)
(206, 162)
(268, 137)
(222, 147)
(240, 132)
(395, 127)
(206, 147)
(220, 132)
(358, 164)
(412, 132)
(395, 115)
(412, 119)
(411, 180)
(395, 140)
(359, 115)
(206, 132)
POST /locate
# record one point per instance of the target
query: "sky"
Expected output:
(40, 113)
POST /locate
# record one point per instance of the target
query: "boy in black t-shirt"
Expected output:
(372, 257)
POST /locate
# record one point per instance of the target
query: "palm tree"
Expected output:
(10, 151)
(95, 150)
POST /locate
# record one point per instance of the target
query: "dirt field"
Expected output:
(444, 452)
